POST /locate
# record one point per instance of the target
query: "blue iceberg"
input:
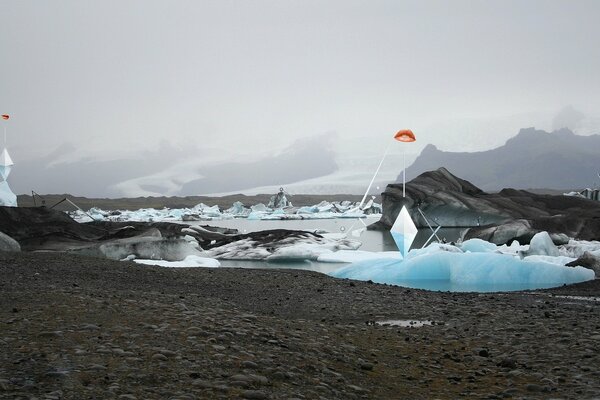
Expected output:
(463, 272)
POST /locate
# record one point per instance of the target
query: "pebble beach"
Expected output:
(74, 327)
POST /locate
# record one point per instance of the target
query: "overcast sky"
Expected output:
(107, 74)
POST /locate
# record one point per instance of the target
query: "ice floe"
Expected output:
(188, 262)
(203, 212)
(476, 265)
(297, 247)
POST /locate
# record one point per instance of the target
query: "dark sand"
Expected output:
(83, 328)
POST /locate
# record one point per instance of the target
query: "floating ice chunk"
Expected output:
(433, 248)
(477, 246)
(237, 209)
(324, 206)
(315, 251)
(260, 207)
(293, 248)
(297, 253)
(308, 210)
(514, 248)
(354, 213)
(245, 249)
(206, 211)
(541, 244)
(576, 248)
(188, 262)
(257, 215)
(97, 214)
(465, 272)
(323, 210)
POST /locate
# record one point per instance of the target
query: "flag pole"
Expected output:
(404, 173)
(374, 175)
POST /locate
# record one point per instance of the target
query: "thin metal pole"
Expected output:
(404, 174)
(374, 175)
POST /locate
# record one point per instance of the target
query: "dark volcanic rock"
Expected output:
(40, 228)
(51, 230)
(497, 217)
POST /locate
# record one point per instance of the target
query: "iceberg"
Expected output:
(476, 265)
(200, 212)
(188, 262)
(278, 246)
(483, 272)
(238, 210)
(279, 200)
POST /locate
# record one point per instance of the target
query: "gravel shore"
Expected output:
(83, 328)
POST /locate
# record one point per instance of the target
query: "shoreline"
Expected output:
(98, 328)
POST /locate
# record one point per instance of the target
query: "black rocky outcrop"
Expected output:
(40, 228)
(496, 217)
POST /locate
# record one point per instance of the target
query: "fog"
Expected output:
(244, 80)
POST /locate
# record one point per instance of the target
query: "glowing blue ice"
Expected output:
(481, 272)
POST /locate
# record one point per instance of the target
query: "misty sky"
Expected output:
(258, 75)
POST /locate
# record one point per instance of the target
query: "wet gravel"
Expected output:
(83, 328)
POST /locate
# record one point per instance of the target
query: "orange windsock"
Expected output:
(405, 135)
(5, 116)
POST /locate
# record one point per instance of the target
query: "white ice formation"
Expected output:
(188, 262)
(203, 212)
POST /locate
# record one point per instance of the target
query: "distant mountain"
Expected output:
(532, 159)
(171, 171)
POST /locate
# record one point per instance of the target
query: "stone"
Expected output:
(159, 357)
(499, 218)
(254, 395)
(7, 243)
